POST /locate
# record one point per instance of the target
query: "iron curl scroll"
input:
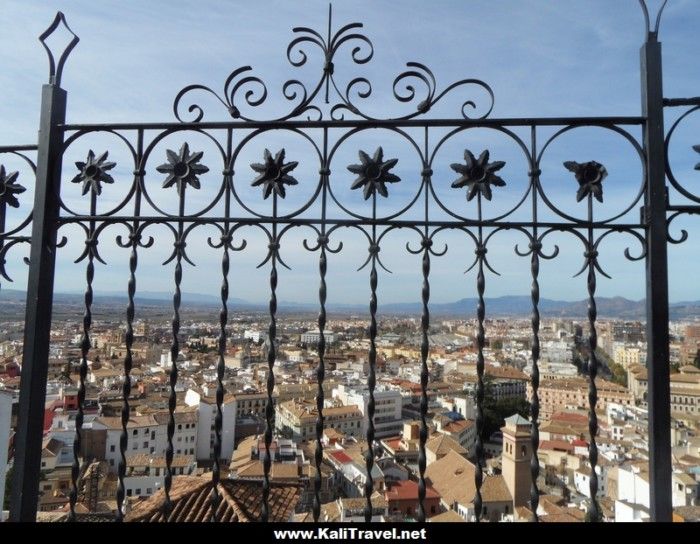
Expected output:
(254, 91)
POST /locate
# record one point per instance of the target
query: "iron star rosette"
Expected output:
(183, 168)
(9, 189)
(93, 172)
(478, 175)
(373, 173)
(273, 174)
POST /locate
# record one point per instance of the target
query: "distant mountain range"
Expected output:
(506, 306)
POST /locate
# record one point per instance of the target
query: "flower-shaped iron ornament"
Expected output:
(478, 174)
(8, 188)
(590, 176)
(182, 169)
(273, 174)
(373, 173)
(93, 172)
(697, 148)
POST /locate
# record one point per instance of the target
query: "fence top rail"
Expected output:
(364, 123)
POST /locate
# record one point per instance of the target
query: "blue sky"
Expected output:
(541, 58)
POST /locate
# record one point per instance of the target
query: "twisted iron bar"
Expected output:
(84, 350)
(480, 343)
(172, 399)
(271, 357)
(594, 511)
(425, 328)
(128, 363)
(535, 378)
(372, 378)
(320, 375)
(220, 367)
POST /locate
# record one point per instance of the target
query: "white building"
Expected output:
(147, 435)
(387, 407)
(206, 414)
(313, 337)
(254, 335)
(632, 502)
(145, 474)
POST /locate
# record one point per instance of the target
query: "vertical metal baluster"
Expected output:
(425, 328)
(480, 342)
(174, 353)
(591, 256)
(271, 356)
(218, 420)
(84, 350)
(134, 238)
(321, 369)
(221, 365)
(369, 454)
(535, 249)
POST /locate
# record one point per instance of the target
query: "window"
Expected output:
(135, 432)
(523, 450)
(138, 491)
(129, 492)
(145, 444)
(149, 491)
(111, 448)
(111, 462)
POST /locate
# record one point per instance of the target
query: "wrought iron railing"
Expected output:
(325, 115)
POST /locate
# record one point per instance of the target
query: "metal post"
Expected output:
(25, 485)
(657, 283)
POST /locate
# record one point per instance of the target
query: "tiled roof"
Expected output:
(407, 490)
(341, 456)
(440, 444)
(452, 477)
(241, 501)
(495, 489)
(449, 517)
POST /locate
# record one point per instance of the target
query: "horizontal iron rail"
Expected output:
(676, 102)
(10, 148)
(365, 123)
(684, 209)
(348, 222)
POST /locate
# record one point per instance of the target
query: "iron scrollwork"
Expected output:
(255, 92)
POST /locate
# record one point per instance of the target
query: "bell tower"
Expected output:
(517, 452)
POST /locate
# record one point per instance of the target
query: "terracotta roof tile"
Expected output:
(241, 501)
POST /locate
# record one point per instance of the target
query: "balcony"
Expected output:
(326, 182)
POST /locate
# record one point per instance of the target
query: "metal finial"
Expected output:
(56, 70)
(652, 34)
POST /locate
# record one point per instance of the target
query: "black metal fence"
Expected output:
(475, 173)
